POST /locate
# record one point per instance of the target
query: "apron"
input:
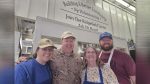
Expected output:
(109, 60)
(87, 82)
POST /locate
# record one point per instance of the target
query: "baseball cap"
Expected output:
(67, 34)
(46, 43)
(105, 34)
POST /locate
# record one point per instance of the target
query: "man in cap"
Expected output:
(66, 65)
(121, 63)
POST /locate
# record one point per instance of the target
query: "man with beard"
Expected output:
(121, 63)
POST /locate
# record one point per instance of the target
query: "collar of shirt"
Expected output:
(63, 54)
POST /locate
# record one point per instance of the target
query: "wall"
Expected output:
(16, 43)
(121, 23)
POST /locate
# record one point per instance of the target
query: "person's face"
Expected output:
(90, 55)
(45, 54)
(106, 43)
(68, 44)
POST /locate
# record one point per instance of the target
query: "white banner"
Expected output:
(82, 15)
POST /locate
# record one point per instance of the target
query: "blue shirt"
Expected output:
(32, 72)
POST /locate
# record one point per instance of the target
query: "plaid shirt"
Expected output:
(66, 69)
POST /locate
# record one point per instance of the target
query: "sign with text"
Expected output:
(82, 14)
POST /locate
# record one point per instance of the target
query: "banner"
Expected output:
(82, 14)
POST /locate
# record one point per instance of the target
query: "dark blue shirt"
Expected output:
(32, 72)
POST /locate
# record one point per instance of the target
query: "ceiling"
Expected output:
(130, 3)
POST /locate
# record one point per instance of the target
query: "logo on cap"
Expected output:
(105, 34)
(67, 34)
(46, 43)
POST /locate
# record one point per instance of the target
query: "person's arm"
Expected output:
(80, 69)
(20, 75)
(130, 68)
(133, 79)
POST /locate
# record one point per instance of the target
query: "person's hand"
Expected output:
(21, 59)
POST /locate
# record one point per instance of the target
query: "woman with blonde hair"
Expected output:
(94, 72)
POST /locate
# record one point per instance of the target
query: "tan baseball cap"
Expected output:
(46, 43)
(67, 34)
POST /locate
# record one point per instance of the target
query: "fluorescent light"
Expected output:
(132, 8)
(123, 3)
